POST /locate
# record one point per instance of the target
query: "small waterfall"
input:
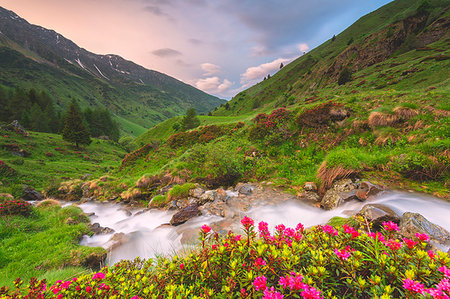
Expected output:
(147, 234)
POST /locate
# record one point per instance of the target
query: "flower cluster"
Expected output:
(6, 170)
(319, 262)
(133, 156)
(15, 207)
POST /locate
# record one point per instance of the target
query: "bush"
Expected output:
(6, 170)
(321, 115)
(15, 207)
(419, 167)
(345, 76)
(180, 191)
(321, 262)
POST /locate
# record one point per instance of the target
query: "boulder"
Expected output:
(31, 194)
(338, 194)
(196, 192)
(17, 127)
(185, 214)
(244, 189)
(214, 208)
(116, 240)
(220, 194)
(208, 196)
(412, 223)
(99, 230)
(367, 189)
(309, 196)
(377, 214)
(310, 186)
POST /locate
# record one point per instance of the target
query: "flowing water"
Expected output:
(147, 234)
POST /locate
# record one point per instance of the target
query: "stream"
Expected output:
(147, 234)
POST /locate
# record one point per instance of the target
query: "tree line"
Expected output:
(36, 111)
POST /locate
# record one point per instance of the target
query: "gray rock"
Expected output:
(338, 194)
(31, 194)
(367, 189)
(244, 189)
(412, 223)
(99, 230)
(85, 176)
(310, 196)
(208, 196)
(214, 208)
(196, 192)
(310, 186)
(185, 214)
(377, 214)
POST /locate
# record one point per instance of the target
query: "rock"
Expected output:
(95, 260)
(310, 186)
(17, 127)
(377, 214)
(99, 230)
(85, 176)
(338, 194)
(173, 205)
(412, 223)
(31, 194)
(367, 189)
(309, 196)
(116, 240)
(185, 214)
(208, 196)
(214, 208)
(244, 189)
(220, 194)
(196, 192)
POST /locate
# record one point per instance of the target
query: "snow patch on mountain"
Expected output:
(101, 72)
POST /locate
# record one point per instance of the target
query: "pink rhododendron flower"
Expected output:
(259, 262)
(214, 246)
(263, 227)
(300, 227)
(293, 281)
(423, 237)
(280, 227)
(260, 283)
(377, 236)
(413, 286)
(182, 266)
(431, 254)
(247, 222)
(390, 226)
(410, 243)
(98, 276)
(330, 230)
(237, 238)
(394, 245)
(272, 294)
(88, 289)
(135, 297)
(342, 254)
(350, 230)
(445, 270)
(206, 229)
(311, 293)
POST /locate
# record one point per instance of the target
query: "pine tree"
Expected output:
(190, 121)
(38, 120)
(74, 130)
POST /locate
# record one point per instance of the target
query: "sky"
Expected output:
(218, 46)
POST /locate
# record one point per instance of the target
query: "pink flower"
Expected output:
(377, 236)
(445, 270)
(350, 230)
(423, 237)
(88, 289)
(247, 222)
(300, 227)
(259, 262)
(237, 238)
(431, 254)
(280, 227)
(260, 283)
(342, 254)
(394, 245)
(390, 226)
(135, 297)
(77, 288)
(206, 229)
(410, 243)
(311, 293)
(98, 276)
(182, 266)
(330, 230)
(413, 286)
(214, 246)
(272, 294)
(293, 281)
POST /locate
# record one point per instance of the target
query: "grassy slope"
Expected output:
(43, 245)
(39, 170)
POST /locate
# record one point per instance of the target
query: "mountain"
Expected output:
(32, 56)
(401, 26)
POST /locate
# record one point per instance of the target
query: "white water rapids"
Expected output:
(146, 238)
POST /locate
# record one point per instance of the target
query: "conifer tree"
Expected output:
(190, 121)
(74, 130)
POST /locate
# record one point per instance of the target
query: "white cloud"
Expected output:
(303, 47)
(213, 85)
(210, 69)
(260, 71)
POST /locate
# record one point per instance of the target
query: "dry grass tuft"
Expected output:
(405, 113)
(379, 119)
(49, 202)
(144, 182)
(329, 175)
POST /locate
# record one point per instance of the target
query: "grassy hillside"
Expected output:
(49, 160)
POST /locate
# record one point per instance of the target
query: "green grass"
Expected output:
(65, 161)
(43, 245)
(181, 191)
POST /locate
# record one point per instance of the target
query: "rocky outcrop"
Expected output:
(377, 214)
(31, 194)
(185, 214)
(99, 230)
(310, 186)
(412, 223)
(244, 189)
(366, 190)
(339, 193)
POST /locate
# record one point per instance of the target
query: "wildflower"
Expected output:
(410, 243)
(88, 289)
(350, 230)
(330, 230)
(445, 270)
(259, 262)
(247, 222)
(260, 283)
(237, 238)
(182, 266)
(263, 227)
(431, 254)
(300, 227)
(135, 297)
(311, 293)
(390, 226)
(272, 294)
(413, 286)
(423, 237)
(214, 246)
(377, 236)
(98, 276)
(280, 227)
(206, 229)
(342, 254)
(394, 245)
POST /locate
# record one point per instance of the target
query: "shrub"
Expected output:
(321, 262)
(419, 167)
(274, 128)
(180, 191)
(345, 76)
(6, 170)
(321, 115)
(137, 154)
(15, 207)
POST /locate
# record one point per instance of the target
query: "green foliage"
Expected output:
(74, 130)
(424, 7)
(180, 191)
(159, 200)
(420, 167)
(348, 158)
(15, 207)
(128, 143)
(190, 121)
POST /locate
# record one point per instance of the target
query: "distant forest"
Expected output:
(35, 110)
